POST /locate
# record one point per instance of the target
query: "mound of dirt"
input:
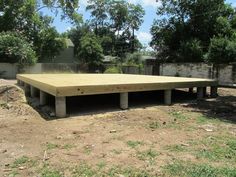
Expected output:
(12, 98)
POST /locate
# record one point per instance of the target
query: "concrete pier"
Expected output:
(27, 89)
(214, 91)
(167, 97)
(33, 91)
(124, 100)
(42, 98)
(200, 92)
(60, 106)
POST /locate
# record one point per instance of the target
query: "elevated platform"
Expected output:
(63, 85)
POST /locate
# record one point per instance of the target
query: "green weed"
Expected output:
(175, 148)
(134, 144)
(184, 169)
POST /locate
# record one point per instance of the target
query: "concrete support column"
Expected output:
(33, 91)
(190, 90)
(27, 89)
(124, 100)
(204, 91)
(200, 92)
(21, 83)
(214, 91)
(42, 98)
(60, 106)
(167, 97)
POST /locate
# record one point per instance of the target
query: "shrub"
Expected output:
(191, 51)
(15, 49)
(221, 50)
(133, 59)
(113, 70)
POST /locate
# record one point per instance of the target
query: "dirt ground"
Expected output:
(190, 137)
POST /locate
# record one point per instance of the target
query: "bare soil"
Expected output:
(146, 137)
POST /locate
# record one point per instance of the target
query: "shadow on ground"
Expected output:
(99, 104)
(222, 107)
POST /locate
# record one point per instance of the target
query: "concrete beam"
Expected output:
(214, 91)
(200, 92)
(42, 98)
(27, 89)
(124, 100)
(33, 91)
(167, 97)
(60, 106)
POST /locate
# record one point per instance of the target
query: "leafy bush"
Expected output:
(133, 59)
(221, 50)
(113, 70)
(191, 51)
(91, 51)
(15, 49)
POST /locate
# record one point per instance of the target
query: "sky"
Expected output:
(143, 34)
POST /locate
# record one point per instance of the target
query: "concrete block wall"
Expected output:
(225, 74)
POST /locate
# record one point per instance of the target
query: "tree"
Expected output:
(118, 11)
(98, 10)
(23, 17)
(135, 19)
(188, 26)
(91, 52)
(15, 49)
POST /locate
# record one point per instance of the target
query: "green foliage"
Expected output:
(221, 50)
(46, 171)
(191, 51)
(91, 51)
(50, 44)
(15, 49)
(134, 144)
(149, 155)
(154, 125)
(20, 161)
(197, 170)
(183, 31)
(133, 58)
(113, 70)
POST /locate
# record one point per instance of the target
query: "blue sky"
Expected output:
(143, 34)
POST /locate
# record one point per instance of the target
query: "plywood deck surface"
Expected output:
(88, 84)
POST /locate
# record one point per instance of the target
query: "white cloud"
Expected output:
(144, 37)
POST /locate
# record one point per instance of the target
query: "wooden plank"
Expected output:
(89, 84)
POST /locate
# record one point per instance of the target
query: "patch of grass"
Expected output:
(203, 120)
(218, 149)
(184, 169)
(175, 148)
(127, 172)
(149, 155)
(87, 150)
(46, 171)
(101, 165)
(51, 146)
(20, 161)
(83, 171)
(134, 144)
(154, 125)
(68, 146)
(178, 115)
(116, 151)
(13, 173)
